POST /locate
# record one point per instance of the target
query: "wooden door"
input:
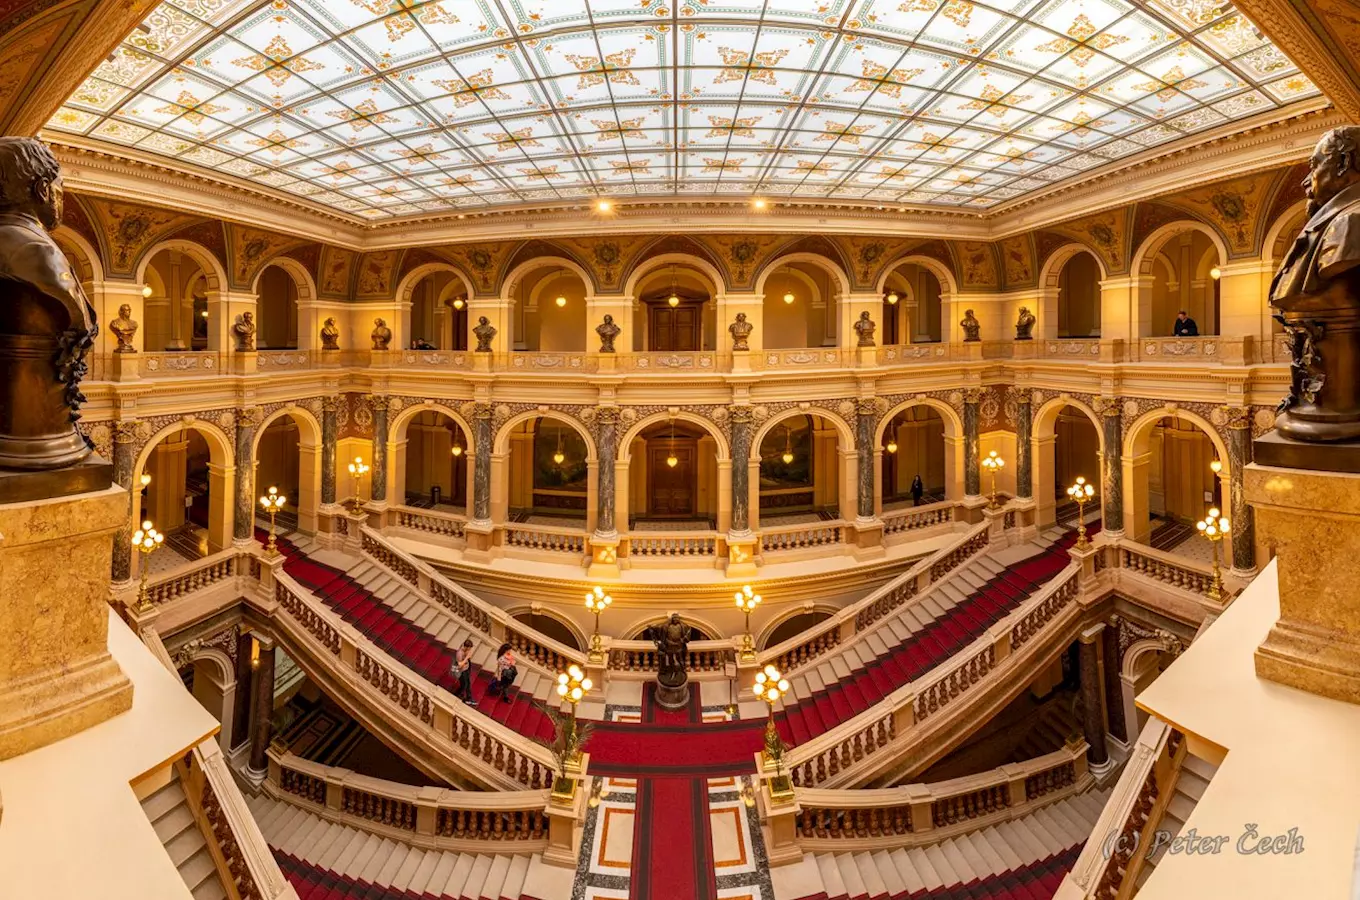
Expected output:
(675, 329)
(670, 490)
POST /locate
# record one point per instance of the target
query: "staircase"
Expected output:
(1048, 732)
(1194, 776)
(1024, 859)
(326, 860)
(169, 813)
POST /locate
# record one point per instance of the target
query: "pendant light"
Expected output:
(891, 446)
(559, 456)
(459, 303)
(671, 459)
(561, 300)
(788, 447)
(457, 448)
(674, 299)
(788, 292)
(892, 298)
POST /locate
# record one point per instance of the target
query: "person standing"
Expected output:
(1185, 326)
(462, 670)
(505, 673)
(918, 490)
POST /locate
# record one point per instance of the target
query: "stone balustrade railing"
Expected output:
(1174, 349)
(195, 575)
(1109, 863)
(180, 364)
(429, 521)
(1084, 349)
(913, 518)
(697, 361)
(671, 545)
(545, 537)
(641, 656)
(840, 821)
(854, 750)
(282, 360)
(896, 354)
(429, 817)
(801, 537)
(1173, 571)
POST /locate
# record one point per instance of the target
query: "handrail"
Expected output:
(552, 538)
(193, 575)
(1174, 571)
(430, 521)
(833, 752)
(910, 518)
(641, 656)
(672, 544)
(800, 537)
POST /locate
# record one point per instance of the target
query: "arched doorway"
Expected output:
(913, 444)
(1076, 454)
(439, 316)
(801, 468)
(1170, 483)
(550, 627)
(175, 310)
(675, 311)
(1185, 277)
(548, 311)
(288, 457)
(799, 307)
(276, 310)
(914, 316)
(793, 626)
(436, 463)
(1079, 297)
(673, 477)
(549, 472)
(189, 493)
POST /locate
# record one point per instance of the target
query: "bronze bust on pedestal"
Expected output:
(46, 322)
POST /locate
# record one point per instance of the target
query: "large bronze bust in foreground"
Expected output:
(1317, 293)
(46, 322)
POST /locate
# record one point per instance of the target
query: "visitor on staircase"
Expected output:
(462, 670)
(505, 673)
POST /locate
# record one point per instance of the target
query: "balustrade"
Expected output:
(801, 537)
(274, 360)
(175, 365)
(191, 577)
(641, 656)
(1160, 567)
(912, 518)
(383, 553)
(1173, 349)
(672, 546)
(541, 538)
(429, 521)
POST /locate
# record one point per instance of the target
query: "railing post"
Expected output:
(1016, 785)
(422, 582)
(349, 652)
(781, 816)
(335, 791)
(922, 807)
(904, 717)
(427, 802)
(1001, 643)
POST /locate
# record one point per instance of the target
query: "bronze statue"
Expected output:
(382, 335)
(1024, 325)
(330, 335)
(485, 332)
(971, 327)
(244, 329)
(865, 328)
(125, 329)
(607, 331)
(1317, 293)
(672, 653)
(741, 332)
(47, 324)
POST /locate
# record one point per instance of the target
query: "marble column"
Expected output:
(1242, 517)
(329, 435)
(1093, 720)
(741, 468)
(606, 437)
(481, 470)
(1024, 450)
(866, 417)
(247, 420)
(261, 706)
(1114, 687)
(378, 477)
(124, 457)
(972, 469)
(1112, 476)
(240, 714)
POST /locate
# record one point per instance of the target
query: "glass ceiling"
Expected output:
(388, 108)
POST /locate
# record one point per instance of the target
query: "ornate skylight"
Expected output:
(384, 108)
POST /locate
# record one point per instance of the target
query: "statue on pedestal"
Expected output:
(125, 329)
(607, 331)
(47, 324)
(672, 653)
(972, 328)
(741, 332)
(485, 332)
(865, 328)
(382, 335)
(330, 335)
(244, 329)
(1024, 325)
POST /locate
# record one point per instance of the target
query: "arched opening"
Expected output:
(175, 312)
(212, 681)
(793, 626)
(915, 317)
(551, 627)
(1076, 454)
(278, 464)
(549, 472)
(439, 315)
(675, 311)
(673, 477)
(799, 307)
(436, 463)
(800, 471)
(913, 446)
(548, 311)
(1079, 297)
(180, 499)
(696, 633)
(1170, 483)
(277, 310)
(1185, 278)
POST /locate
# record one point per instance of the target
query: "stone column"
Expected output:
(1114, 687)
(1024, 451)
(261, 707)
(124, 457)
(240, 714)
(741, 468)
(606, 436)
(329, 435)
(1242, 517)
(247, 420)
(481, 469)
(378, 477)
(972, 470)
(1093, 719)
(866, 417)
(1112, 466)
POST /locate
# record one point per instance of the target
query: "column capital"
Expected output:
(330, 403)
(249, 417)
(973, 394)
(741, 414)
(1107, 406)
(1238, 416)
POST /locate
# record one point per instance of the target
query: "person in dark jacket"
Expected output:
(918, 490)
(462, 670)
(1185, 326)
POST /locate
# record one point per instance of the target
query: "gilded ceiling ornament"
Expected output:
(624, 128)
(1167, 86)
(613, 68)
(362, 116)
(840, 131)
(275, 63)
(739, 65)
(464, 92)
(877, 77)
(735, 127)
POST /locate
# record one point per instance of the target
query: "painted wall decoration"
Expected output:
(131, 228)
(1017, 261)
(336, 268)
(978, 264)
(1233, 207)
(1105, 233)
(376, 271)
(251, 249)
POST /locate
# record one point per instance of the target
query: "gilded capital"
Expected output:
(974, 394)
(1238, 416)
(741, 415)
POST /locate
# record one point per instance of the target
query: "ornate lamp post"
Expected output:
(146, 540)
(747, 601)
(1081, 492)
(993, 463)
(272, 503)
(770, 686)
(357, 470)
(1215, 528)
(597, 601)
(572, 686)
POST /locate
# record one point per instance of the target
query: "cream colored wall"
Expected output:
(276, 310)
(277, 461)
(1190, 256)
(539, 323)
(1079, 297)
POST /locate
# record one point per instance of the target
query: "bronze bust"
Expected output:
(607, 331)
(244, 329)
(741, 332)
(484, 332)
(971, 327)
(1024, 325)
(330, 335)
(47, 324)
(1317, 293)
(382, 335)
(865, 329)
(125, 329)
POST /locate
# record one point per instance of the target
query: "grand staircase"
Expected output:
(1191, 780)
(169, 813)
(1024, 859)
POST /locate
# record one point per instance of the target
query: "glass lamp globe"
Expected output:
(788, 297)
(893, 298)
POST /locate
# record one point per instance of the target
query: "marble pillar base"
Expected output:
(56, 674)
(672, 697)
(1312, 519)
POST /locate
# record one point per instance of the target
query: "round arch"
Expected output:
(1051, 271)
(1137, 499)
(397, 432)
(397, 444)
(302, 279)
(308, 500)
(948, 285)
(1046, 416)
(581, 635)
(679, 260)
(844, 436)
(211, 656)
(1278, 238)
(762, 637)
(406, 287)
(1147, 250)
(953, 424)
(1136, 441)
(89, 267)
(1131, 667)
(501, 443)
(1043, 453)
(724, 450)
(953, 447)
(221, 477)
(214, 274)
(689, 617)
(828, 265)
(512, 280)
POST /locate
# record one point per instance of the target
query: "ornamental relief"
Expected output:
(184, 646)
(628, 416)
(251, 249)
(376, 274)
(129, 229)
(336, 266)
(483, 263)
(1105, 233)
(1017, 261)
(951, 398)
(1233, 207)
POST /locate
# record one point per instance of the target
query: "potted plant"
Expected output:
(569, 737)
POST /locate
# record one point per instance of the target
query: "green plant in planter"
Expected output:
(569, 739)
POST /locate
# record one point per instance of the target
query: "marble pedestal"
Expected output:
(1312, 519)
(672, 697)
(56, 674)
